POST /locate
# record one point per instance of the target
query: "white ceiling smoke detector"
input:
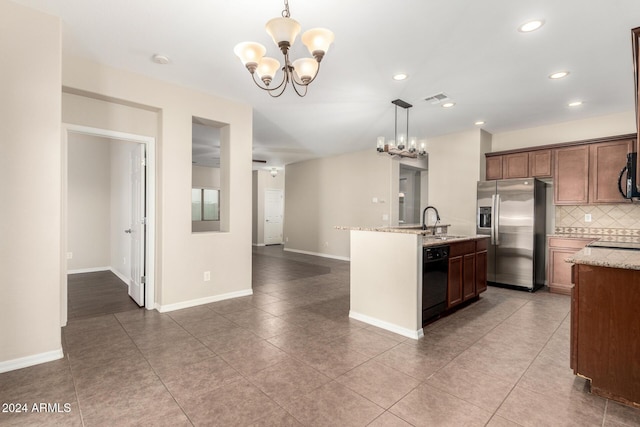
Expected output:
(161, 59)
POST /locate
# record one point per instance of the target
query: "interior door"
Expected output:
(273, 215)
(137, 230)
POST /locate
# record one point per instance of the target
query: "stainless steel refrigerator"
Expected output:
(512, 213)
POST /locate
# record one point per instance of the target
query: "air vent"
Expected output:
(437, 98)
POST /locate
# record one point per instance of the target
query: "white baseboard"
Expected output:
(125, 279)
(88, 270)
(341, 258)
(388, 326)
(200, 301)
(258, 244)
(36, 359)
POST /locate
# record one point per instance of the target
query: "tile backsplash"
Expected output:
(621, 219)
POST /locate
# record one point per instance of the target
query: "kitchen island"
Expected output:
(387, 271)
(605, 325)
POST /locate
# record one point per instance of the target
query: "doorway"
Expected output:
(273, 216)
(141, 178)
(409, 197)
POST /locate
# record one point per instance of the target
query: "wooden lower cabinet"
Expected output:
(481, 271)
(559, 273)
(605, 332)
(467, 271)
(454, 286)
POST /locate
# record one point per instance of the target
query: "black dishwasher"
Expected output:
(435, 269)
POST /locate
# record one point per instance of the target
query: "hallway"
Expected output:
(95, 294)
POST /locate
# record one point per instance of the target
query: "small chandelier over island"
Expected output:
(399, 147)
(302, 71)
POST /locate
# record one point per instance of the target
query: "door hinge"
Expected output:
(143, 221)
(143, 162)
(143, 279)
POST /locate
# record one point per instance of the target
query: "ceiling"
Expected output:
(470, 50)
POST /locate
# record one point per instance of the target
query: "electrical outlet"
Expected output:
(385, 217)
(326, 244)
(286, 239)
(69, 255)
(207, 276)
(374, 200)
(124, 260)
(587, 217)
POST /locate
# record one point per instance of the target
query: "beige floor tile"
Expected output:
(334, 405)
(410, 360)
(251, 360)
(288, 380)
(366, 342)
(380, 384)
(235, 404)
(529, 408)
(475, 387)
(623, 415)
(387, 419)
(428, 406)
(187, 381)
(234, 338)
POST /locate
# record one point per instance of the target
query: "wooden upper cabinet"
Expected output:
(540, 164)
(527, 164)
(571, 173)
(494, 168)
(606, 161)
(515, 165)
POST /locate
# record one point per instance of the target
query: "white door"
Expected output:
(137, 230)
(273, 214)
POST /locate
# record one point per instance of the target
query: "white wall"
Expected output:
(182, 256)
(88, 203)
(454, 169)
(595, 127)
(337, 191)
(261, 181)
(31, 263)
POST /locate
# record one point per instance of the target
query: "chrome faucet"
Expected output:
(424, 213)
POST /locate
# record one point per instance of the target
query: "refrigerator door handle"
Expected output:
(493, 220)
(496, 221)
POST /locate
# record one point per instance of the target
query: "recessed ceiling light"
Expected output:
(479, 123)
(161, 59)
(529, 26)
(399, 76)
(558, 75)
(575, 104)
(448, 104)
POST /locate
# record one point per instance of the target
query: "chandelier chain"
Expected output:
(285, 12)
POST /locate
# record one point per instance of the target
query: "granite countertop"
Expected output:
(443, 240)
(406, 229)
(604, 257)
(428, 239)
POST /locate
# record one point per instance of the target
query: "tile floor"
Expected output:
(289, 355)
